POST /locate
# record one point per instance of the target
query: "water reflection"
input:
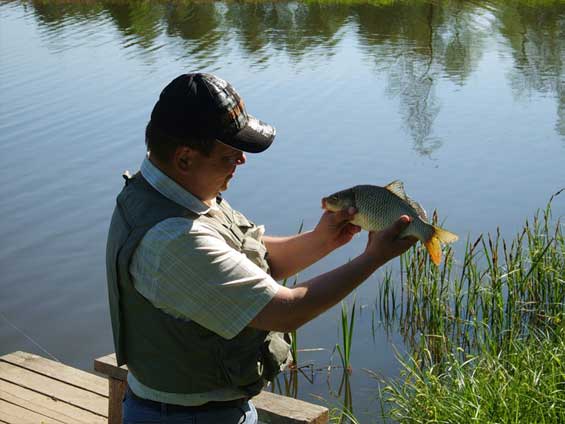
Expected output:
(430, 41)
(138, 22)
(400, 39)
(416, 44)
(54, 14)
(536, 36)
(338, 388)
(344, 392)
(295, 28)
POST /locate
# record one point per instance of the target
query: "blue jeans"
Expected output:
(136, 412)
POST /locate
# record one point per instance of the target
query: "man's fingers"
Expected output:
(345, 214)
(352, 229)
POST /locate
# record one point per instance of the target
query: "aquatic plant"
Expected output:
(522, 383)
(347, 326)
(341, 412)
(486, 335)
(497, 292)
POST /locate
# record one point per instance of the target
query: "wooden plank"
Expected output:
(277, 409)
(58, 390)
(14, 414)
(47, 405)
(58, 371)
(108, 365)
(117, 393)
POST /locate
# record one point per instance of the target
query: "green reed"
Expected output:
(522, 383)
(498, 291)
(347, 326)
(343, 414)
(486, 334)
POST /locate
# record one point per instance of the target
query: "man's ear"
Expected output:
(183, 157)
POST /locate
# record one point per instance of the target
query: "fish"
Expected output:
(379, 207)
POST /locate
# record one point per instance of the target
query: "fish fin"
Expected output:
(397, 187)
(433, 244)
(434, 249)
(419, 209)
(444, 235)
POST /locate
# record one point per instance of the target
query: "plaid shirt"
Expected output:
(186, 269)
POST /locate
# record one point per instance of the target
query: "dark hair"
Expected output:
(163, 146)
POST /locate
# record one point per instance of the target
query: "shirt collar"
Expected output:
(173, 191)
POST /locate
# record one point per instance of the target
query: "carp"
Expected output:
(379, 207)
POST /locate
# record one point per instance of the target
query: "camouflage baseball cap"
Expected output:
(204, 106)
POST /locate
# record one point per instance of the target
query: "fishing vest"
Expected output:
(171, 354)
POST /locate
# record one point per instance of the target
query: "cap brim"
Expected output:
(255, 137)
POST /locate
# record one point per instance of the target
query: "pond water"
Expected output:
(462, 101)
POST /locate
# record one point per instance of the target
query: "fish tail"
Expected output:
(434, 249)
(433, 244)
(444, 236)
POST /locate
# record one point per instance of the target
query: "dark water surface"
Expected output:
(463, 101)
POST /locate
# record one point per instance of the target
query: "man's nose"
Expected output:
(240, 160)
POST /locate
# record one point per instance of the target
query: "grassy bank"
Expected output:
(522, 383)
(485, 334)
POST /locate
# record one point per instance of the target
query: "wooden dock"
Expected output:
(36, 390)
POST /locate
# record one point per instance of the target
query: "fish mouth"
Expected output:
(324, 203)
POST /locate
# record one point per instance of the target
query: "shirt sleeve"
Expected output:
(188, 270)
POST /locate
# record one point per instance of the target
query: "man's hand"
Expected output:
(334, 228)
(385, 245)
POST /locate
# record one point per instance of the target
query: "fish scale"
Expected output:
(379, 207)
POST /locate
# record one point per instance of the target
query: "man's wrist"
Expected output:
(373, 260)
(322, 242)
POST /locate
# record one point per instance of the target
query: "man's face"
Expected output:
(215, 171)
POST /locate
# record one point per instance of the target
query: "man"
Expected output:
(196, 312)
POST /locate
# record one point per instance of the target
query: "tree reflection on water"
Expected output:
(415, 44)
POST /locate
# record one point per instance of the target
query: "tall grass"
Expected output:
(347, 326)
(497, 292)
(522, 383)
(486, 334)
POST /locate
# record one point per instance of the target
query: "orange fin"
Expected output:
(444, 236)
(434, 249)
(434, 246)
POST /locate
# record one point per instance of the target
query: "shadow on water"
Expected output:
(415, 44)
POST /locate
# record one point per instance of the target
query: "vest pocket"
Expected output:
(255, 251)
(276, 354)
(257, 362)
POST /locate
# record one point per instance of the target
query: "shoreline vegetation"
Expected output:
(486, 337)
